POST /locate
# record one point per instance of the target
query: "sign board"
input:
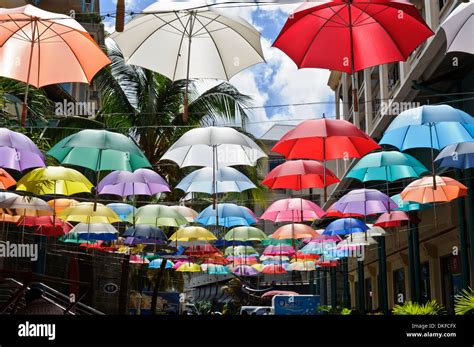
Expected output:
(287, 305)
(111, 288)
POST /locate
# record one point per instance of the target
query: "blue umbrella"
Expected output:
(459, 156)
(156, 264)
(407, 206)
(345, 226)
(122, 210)
(217, 270)
(226, 243)
(227, 215)
(145, 231)
(224, 180)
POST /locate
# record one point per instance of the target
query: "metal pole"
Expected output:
(361, 286)
(383, 295)
(333, 288)
(416, 262)
(411, 263)
(464, 255)
(188, 67)
(470, 208)
(345, 284)
(24, 110)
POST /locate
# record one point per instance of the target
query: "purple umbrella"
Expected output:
(140, 182)
(18, 152)
(245, 270)
(364, 202)
(279, 250)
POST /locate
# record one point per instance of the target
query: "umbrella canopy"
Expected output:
(408, 206)
(422, 190)
(331, 212)
(199, 146)
(54, 180)
(240, 251)
(27, 206)
(459, 27)
(210, 181)
(279, 250)
(156, 264)
(186, 212)
(294, 231)
(325, 139)
(367, 33)
(59, 205)
(245, 270)
(189, 267)
(345, 226)
(459, 156)
(122, 210)
(213, 269)
(143, 231)
(299, 174)
(190, 33)
(316, 248)
(245, 233)
(365, 202)
(292, 210)
(158, 215)
(429, 126)
(99, 150)
(201, 250)
(136, 259)
(386, 166)
(17, 151)
(302, 266)
(355, 241)
(273, 269)
(324, 238)
(229, 215)
(392, 219)
(273, 293)
(192, 233)
(86, 212)
(8, 218)
(46, 225)
(6, 180)
(96, 231)
(139, 182)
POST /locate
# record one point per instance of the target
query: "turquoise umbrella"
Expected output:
(387, 166)
(407, 206)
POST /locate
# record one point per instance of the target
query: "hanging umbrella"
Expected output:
(302, 257)
(368, 33)
(195, 41)
(46, 225)
(6, 180)
(273, 269)
(302, 266)
(213, 269)
(273, 258)
(365, 202)
(86, 212)
(137, 259)
(279, 250)
(273, 293)
(241, 251)
(292, 210)
(158, 215)
(99, 150)
(459, 156)
(8, 218)
(17, 151)
(192, 233)
(223, 180)
(294, 231)
(387, 166)
(229, 215)
(26, 206)
(54, 180)
(59, 205)
(245, 270)
(331, 212)
(407, 206)
(55, 47)
(242, 260)
(316, 248)
(122, 210)
(345, 226)
(201, 250)
(459, 27)
(139, 182)
(323, 238)
(375, 231)
(423, 191)
(393, 219)
(156, 264)
(186, 212)
(144, 231)
(325, 139)
(96, 231)
(356, 241)
(298, 175)
(245, 233)
(214, 147)
(189, 267)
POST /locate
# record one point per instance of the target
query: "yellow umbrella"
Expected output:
(54, 180)
(192, 233)
(84, 212)
(59, 205)
(189, 267)
(258, 267)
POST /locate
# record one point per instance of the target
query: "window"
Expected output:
(399, 293)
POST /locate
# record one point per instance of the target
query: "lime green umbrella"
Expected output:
(158, 215)
(100, 150)
(245, 233)
(240, 251)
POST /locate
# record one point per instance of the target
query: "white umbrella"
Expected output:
(356, 240)
(459, 28)
(94, 228)
(227, 179)
(214, 147)
(183, 40)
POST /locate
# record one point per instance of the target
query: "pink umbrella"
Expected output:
(42, 48)
(273, 293)
(294, 231)
(393, 219)
(291, 210)
(273, 269)
(279, 250)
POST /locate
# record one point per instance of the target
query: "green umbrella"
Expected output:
(275, 242)
(245, 233)
(240, 251)
(74, 238)
(158, 215)
(100, 150)
(386, 166)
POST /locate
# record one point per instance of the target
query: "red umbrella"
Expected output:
(333, 213)
(325, 139)
(47, 225)
(352, 35)
(273, 269)
(299, 174)
(201, 250)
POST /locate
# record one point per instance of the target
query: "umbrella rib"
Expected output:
(457, 33)
(180, 43)
(376, 14)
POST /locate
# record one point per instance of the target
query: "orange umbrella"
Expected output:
(59, 205)
(42, 48)
(8, 218)
(294, 231)
(6, 181)
(422, 190)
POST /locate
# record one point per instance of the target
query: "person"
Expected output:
(36, 304)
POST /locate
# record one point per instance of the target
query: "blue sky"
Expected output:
(278, 82)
